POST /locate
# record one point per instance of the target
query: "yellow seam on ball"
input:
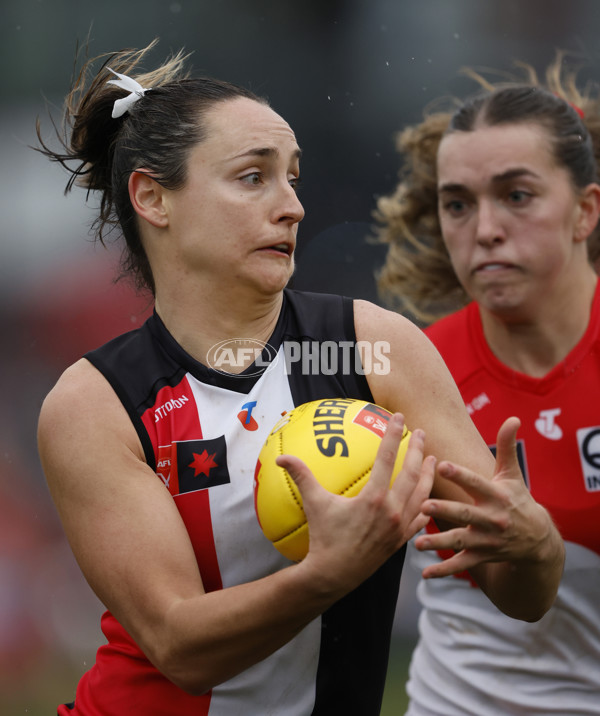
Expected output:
(287, 534)
(358, 479)
(288, 479)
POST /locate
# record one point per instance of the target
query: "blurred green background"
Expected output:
(347, 75)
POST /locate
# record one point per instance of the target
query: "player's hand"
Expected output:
(351, 537)
(504, 523)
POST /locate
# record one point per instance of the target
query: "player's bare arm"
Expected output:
(483, 507)
(132, 546)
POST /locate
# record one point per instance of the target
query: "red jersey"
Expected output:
(471, 659)
(559, 438)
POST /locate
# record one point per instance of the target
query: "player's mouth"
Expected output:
(492, 267)
(285, 248)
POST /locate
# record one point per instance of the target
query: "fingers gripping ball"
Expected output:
(338, 440)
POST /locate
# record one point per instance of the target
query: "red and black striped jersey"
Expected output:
(202, 428)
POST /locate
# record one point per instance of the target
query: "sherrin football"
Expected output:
(338, 440)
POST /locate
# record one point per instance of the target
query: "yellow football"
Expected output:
(338, 439)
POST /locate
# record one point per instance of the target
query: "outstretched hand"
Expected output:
(349, 538)
(504, 523)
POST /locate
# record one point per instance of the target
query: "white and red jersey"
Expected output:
(202, 431)
(472, 659)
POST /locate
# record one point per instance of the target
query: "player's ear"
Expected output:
(588, 212)
(147, 198)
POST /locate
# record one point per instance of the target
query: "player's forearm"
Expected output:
(211, 638)
(525, 589)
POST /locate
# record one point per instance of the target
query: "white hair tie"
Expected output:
(134, 88)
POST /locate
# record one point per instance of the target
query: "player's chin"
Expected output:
(275, 277)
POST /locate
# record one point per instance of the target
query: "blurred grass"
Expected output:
(395, 700)
(52, 683)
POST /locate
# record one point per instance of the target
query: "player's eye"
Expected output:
(254, 178)
(519, 197)
(454, 207)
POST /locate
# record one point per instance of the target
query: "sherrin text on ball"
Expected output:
(338, 439)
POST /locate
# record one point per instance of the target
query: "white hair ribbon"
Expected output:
(135, 89)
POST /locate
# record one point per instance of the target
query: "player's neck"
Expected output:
(198, 323)
(534, 343)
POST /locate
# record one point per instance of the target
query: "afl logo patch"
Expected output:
(589, 452)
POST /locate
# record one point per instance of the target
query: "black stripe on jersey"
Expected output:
(360, 624)
(331, 318)
(127, 362)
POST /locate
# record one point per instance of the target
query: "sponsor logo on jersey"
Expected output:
(588, 440)
(245, 416)
(163, 410)
(521, 457)
(547, 426)
(478, 402)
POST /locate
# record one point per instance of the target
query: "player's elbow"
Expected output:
(191, 683)
(532, 610)
(528, 613)
(519, 594)
(189, 673)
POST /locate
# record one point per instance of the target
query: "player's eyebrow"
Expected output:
(267, 152)
(514, 174)
(451, 188)
(455, 187)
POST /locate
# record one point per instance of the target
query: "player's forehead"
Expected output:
(487, 153)
(241, 126)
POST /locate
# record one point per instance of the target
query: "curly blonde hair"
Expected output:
(417, 276)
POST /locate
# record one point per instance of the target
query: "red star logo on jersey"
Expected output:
(203, 463)
(198, 465)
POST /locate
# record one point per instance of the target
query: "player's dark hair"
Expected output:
(156, 134)
(418, 273)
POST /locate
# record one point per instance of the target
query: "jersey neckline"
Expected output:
(521, 380)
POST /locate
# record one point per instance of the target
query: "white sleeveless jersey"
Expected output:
(473, 660)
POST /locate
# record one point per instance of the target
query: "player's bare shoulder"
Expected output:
(372, 320)
(374, 323)
(82, 408)
(413, 362)
(80, 390)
